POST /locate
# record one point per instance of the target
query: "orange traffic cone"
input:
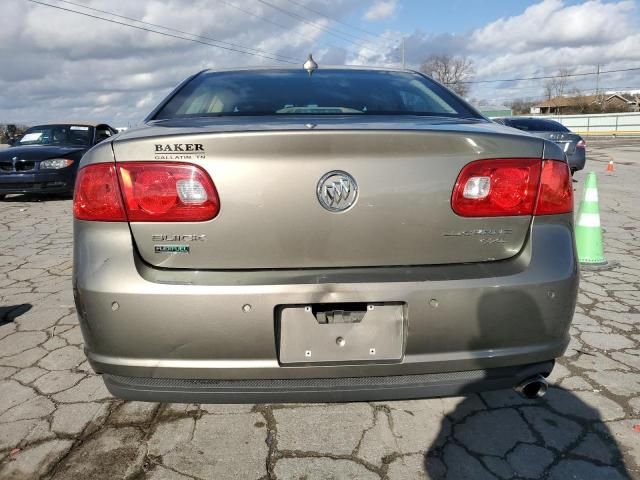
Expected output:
(610, 166)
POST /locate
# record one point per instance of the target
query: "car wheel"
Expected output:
(2, 195)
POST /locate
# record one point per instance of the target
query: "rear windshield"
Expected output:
(326, 92)
(536, 125)
(80, 135)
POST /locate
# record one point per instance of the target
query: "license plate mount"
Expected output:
(320, 334)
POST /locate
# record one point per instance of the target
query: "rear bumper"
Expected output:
(147, 323)
(577, 159)
(61, 181)
(345, 389)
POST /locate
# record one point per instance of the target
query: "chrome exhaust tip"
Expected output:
(532, 388)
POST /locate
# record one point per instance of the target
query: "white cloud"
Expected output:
(58, 64)
(552, 35)
(550, 22)
(381, 9)
(145, 101)
(61, 65)
(545, 37)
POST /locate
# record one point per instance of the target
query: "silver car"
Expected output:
(329, 234)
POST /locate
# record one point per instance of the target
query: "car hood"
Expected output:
(39, 152)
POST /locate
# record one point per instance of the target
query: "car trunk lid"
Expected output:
(270, 214)
(566, 140)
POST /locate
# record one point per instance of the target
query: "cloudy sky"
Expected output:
(57, 64)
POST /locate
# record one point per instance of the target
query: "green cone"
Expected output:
(588, 230)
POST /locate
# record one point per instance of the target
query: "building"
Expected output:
(608, 102)
(622, 101)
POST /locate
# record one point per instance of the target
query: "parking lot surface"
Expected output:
(58, 421)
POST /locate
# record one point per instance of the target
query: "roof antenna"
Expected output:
(310, 65)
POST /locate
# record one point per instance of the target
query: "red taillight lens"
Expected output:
(97, 196)
(510, 187)
(167, 192)
(152, 192)
(556, 190)
(496, 188)
(581, 144)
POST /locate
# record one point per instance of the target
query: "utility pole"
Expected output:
(598, 84)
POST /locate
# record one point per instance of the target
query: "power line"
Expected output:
(334, 19)
(285, 27)
(145, 29)
(248, 12)
(607, 91)
(269, 55)
(268, 20)
(336, 34)
(306, 7)
(176, 30)
(520, 87)
(530, 92)
(532, 88)
(548, 76)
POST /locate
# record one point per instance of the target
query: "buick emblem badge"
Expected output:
(337, 191)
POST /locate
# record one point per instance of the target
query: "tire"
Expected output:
(2, 195)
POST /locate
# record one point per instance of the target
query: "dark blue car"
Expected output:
(574, 146)
(45, 158)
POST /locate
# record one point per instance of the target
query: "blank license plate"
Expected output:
(376, 336)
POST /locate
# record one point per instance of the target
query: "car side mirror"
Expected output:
(11, 141)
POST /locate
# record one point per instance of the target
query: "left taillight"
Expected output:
(97, 195)
(145, 192)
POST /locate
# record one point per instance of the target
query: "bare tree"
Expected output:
(548, 90)
(556, 86)
(583, 103)
(11, 132)
(454, 72)
(521, 107)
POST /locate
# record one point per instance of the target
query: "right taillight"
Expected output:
(512, 187)
(497, 188)
(145, 192)
(581, 144)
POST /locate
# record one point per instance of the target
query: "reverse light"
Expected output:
(149, 192)
(477, 187)
(55, 163)
(512, 187)
(191, 192)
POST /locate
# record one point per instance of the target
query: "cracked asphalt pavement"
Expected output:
(57, 420)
